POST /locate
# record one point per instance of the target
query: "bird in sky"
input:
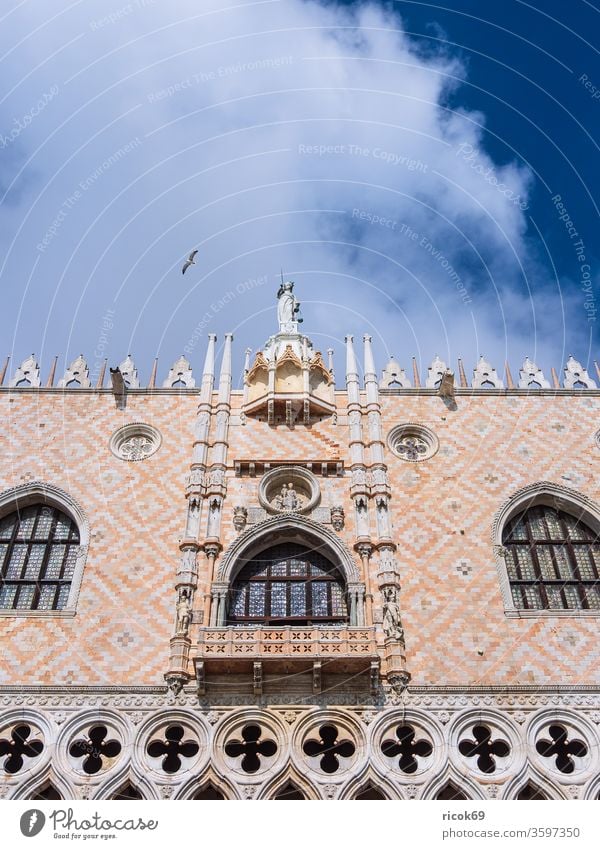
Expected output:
(189, 261)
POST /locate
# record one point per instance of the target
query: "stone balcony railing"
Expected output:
(242, 649)
(265, 642)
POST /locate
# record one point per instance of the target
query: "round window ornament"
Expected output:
(135, 441)
(413, 442)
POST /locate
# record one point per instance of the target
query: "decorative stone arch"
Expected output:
(35, 492)
(578, 726)
(542, 492)
(208, 778)
(290, 776)
(289, 527)
(450, 775)
(530, 775)
(126, 776)
(370, 777)
(43, 779)
(592, 791)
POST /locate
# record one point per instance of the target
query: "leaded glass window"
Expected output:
(38, 550)
(288, 584)
(552, 560)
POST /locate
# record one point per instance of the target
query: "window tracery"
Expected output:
(412, 442)
(553, 560)
(38, 554)
(288, 583)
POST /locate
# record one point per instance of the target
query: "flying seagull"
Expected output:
(189, 261)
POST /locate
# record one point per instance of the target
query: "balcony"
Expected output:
(260, 652)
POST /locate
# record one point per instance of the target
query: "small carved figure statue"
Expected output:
(240, 517)
(184, 612)
(288, 308)
(337, 518)
(392, 623)
(278, 499)
(290, 497)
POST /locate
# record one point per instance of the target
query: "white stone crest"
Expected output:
(486, 377)
(576, 377)
(180, 375)
(28, 374)
(394, 377)
(77, 376)
(130, 373)
(435, 373)
(530, 375)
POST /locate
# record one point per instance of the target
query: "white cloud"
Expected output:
(262, 129)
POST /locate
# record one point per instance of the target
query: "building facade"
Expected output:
(306, 588)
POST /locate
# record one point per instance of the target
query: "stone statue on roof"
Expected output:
(288, 308)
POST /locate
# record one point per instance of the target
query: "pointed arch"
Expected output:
(293, 528)
(290, 778)
(451, 793)
(592, 791)
(124, 779)
(289, 527)
(530, 792)
(40, 782)
(370, 793)
(46, 792)
(450, 779)
(288, 793)
(370, 778)
(210, 780)
(531, 778)
(549, 493)
(209, 792)
(128, 792)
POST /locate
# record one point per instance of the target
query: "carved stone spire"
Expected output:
(50, 381)
(4, 370)
(351, 364)
(225, 376)
(208, 372)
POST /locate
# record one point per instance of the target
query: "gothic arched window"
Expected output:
(38, 552)
(47, 792)
(530, 792)
(451, 793)
(370, 793)
(209, 792)
(553, 561)
(288, 584)
(288, 793)
(128, 793)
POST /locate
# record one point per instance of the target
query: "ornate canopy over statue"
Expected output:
(288, 378)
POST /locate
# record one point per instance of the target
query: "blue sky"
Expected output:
(400, 161)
